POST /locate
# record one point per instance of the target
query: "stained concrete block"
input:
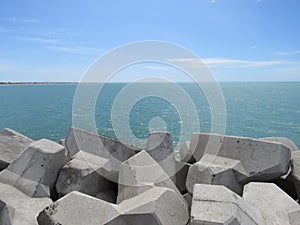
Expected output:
(216, 205)
(157, 206)
(83, 176)
(262, 160)
(140, 173)
(17, 208)
(12, 144)
(35, 171)
(222, 171)
(274, 204)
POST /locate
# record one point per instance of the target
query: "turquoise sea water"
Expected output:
(253, 110)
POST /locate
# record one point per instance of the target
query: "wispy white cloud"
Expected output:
(76, 50)
(23, 20)
(225, 62)
(288, 52)
(39, 40)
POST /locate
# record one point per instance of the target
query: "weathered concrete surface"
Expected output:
(258, 160)
(80, 141)
(12, 144)
(274, 204)
(296, 171)
(216, 205)
(141, 173)
(83, 176)
(16, 208)
(186, 155)
(160, 148)
(283, 140)
(35, 171)
(216, 170)
(157, 206)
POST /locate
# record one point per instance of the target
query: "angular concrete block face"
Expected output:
(161, 206)
(296, 171)
(36, 169)
(159, 146)
(283, 140)
(81, 140)
(222, 171)
(16, 208)
(261, 160)
(274, 204)
(155, 206)
(76, 209)
(215, 204)
(12, 144)
(140, 173)
(79, 175)
(186, 155)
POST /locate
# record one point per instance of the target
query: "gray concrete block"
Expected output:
(12, 144)
(274, 204)
(157, 206)
(218, 171)
(140, 173)
(35, 171)
(186, 155)
(283, 140)
(295, 168)
(83, 176)
(17, 208)
(262, 160)
(216, 205)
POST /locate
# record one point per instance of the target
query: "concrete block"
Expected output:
(35, 171)
(17, 208)
(261, 160)
(185, 153)
(83, 176)
(274, 204)
(218, 171)
(283, 140)
(157, 206)
(12, 144)
(295, 168)
(140, 173)
(216, 205)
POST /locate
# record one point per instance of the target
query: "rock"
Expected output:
(83, 176)
(12, 144)
(235, 161)
(108, 196)
(296, 171)
(283, 140)
(157, 206)
(116, 152)
(35, 171)
(222, 171)
(274, 204)
(188, 198)
(215, 204)
(16, 208)
(141, 173)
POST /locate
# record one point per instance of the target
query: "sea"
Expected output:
(262, 109)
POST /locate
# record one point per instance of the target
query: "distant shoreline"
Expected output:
(36, 82)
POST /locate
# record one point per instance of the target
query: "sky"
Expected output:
(239, 40)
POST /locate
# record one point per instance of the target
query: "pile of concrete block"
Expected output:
(93, 179)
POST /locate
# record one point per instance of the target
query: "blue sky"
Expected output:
(240, 40)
